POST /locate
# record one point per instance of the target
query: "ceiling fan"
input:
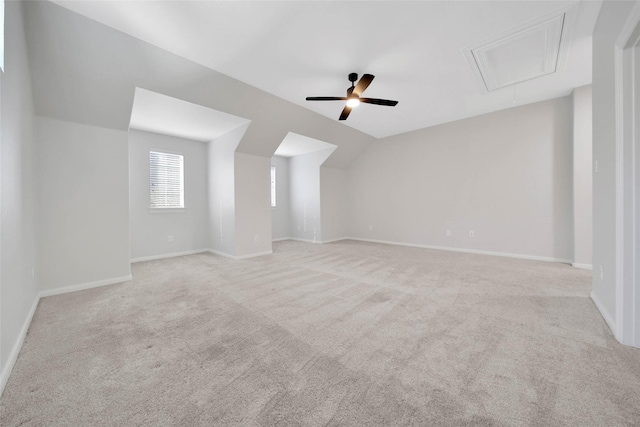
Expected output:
(353, 95)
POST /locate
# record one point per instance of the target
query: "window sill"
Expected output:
(166, 210)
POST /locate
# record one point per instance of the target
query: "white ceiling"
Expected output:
(307, 48)
(159, 113)
(296, 145)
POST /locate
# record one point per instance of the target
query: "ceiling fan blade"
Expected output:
(364, 83)
(377, 101)
(345, 113)
(326, 98)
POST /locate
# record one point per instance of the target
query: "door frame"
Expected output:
(627, 87)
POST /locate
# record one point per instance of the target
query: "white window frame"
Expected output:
(274, 200)
(178, 160)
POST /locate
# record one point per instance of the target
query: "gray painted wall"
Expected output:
(582, 177)
(253, 207)
(334, 203)
(18, 194)
(83, 180)
(506, 176)
(150, 228)
(280, 214)
(304, 193)
(221, 189)
(611, 19)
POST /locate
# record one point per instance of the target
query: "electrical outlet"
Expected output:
(256, 238)
(448, 233)
(472, 234)
(595, 166)
(601, 273)
(170, 239)
(370, 227)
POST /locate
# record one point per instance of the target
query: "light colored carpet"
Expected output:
(348, 333)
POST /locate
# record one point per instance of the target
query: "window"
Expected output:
(273, 186)
(166, 171)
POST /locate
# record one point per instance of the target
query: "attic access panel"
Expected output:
(523, 54)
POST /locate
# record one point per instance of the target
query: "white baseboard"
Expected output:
(257, 254)
(15, 351)
(83, 286)
(582, 266)
(171, 255)
(333, 240)
(469, 251)
(605, 314)
(239, 257)
(222, 254)
(297, 239)
(320, 242)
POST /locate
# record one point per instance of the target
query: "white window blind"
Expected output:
(167, 180)
(273, 186)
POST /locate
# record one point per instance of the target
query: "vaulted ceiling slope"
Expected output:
(418, 50)
(83, 71)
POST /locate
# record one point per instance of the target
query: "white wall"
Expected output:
(505, 175)
(280, 214)
(318, 198)
(613, 15)
(304, 194)
(221, 191)
(582, 179)
(253, 206)
(334, 204)
(611, 18)
(84, 203)
(18, 194)
(150, 229)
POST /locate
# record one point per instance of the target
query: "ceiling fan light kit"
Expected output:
(353, 101)
(353, 95)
